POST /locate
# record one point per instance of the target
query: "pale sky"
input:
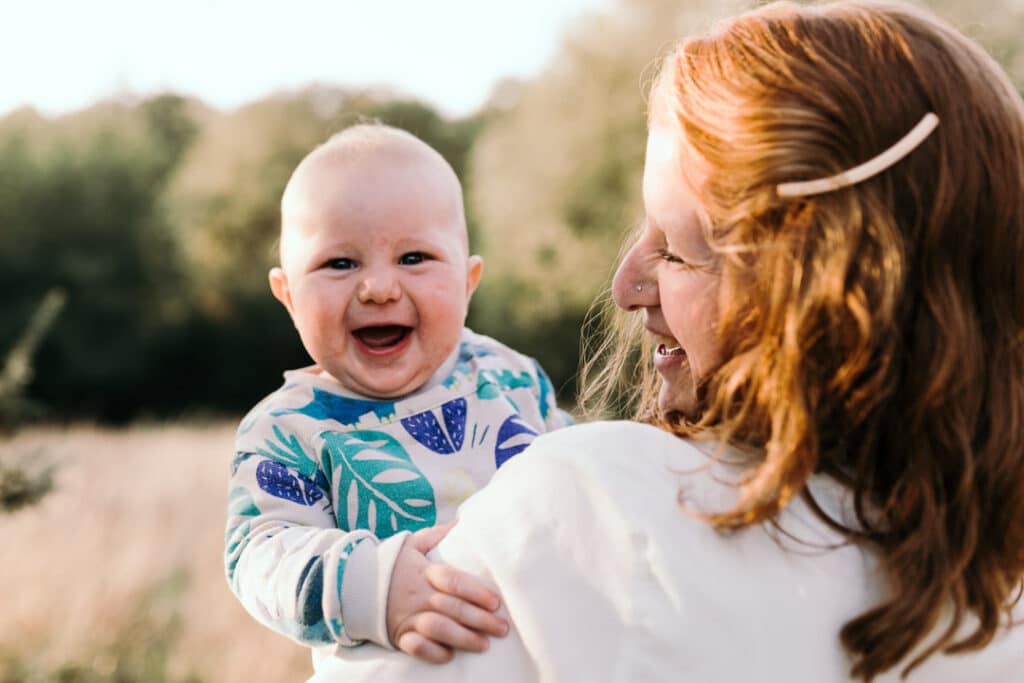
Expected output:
(61, 55)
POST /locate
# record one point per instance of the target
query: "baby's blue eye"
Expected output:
(412, 258)
(341, 264)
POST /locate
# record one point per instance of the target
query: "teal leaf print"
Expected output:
(379, 487)
(289, 452)
(486, 389)
(241, 503)
(546, 391)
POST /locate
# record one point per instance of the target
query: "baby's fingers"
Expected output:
(421, 647)
(462, 585)
(468, 615)
(446, 633)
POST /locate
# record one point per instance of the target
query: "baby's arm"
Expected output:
(286, 560)
(298, 574)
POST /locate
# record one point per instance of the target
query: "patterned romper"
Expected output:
(317, 472)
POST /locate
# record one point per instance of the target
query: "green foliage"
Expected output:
(160, 218)
(25, 477)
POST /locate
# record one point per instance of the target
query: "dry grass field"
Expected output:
(117, 574)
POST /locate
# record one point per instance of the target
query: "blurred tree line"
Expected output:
(159, 218)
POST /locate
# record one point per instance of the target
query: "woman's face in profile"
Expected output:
(671, 274)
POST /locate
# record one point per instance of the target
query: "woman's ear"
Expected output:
(473, 272)
(279, 286)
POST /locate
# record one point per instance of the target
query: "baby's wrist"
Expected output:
(365, 587)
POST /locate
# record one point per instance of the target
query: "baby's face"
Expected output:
(375, 271)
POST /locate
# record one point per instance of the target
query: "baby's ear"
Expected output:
(279, 286)
(473, 272)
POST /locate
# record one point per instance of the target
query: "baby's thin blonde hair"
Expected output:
(874, 333)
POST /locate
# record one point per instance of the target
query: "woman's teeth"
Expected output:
(664, 350)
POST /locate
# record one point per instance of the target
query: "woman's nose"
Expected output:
(378, 288)
(632, 286)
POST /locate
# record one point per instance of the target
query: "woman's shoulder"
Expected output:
(611, 447)
(606, 440)
(634, 467)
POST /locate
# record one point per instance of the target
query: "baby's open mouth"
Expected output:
(380, 337)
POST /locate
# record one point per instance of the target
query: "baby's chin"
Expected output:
(387, 391)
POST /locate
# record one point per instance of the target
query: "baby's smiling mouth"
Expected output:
(382, 337)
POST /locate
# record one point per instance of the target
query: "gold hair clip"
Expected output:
(869, 168)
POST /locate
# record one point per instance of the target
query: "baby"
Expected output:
(344, 477)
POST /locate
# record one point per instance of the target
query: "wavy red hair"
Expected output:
(874, 333)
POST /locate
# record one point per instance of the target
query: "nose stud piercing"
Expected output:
(639, 288)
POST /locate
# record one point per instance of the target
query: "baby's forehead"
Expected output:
(368, 154)
(382, 173)
(380, 147)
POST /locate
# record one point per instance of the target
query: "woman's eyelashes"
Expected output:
(669, 257)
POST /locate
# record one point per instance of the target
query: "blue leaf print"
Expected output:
(275, 479)
(514, 436)
(379, 487)
(454, 413)
(344, 409)
(309, 593)
(425, 428)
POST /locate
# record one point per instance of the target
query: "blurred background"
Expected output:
(143, 151)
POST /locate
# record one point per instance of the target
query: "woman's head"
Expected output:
(874, 332)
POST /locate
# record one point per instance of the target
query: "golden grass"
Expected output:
(132, 510)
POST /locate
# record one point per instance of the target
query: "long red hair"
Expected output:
(874, 333)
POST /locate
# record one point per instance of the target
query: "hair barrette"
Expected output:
(907, 144)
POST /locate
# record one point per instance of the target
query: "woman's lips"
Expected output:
(668, 357)
(666, 350)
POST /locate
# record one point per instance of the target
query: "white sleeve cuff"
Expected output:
(365, 586)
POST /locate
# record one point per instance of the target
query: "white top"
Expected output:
(605, 578)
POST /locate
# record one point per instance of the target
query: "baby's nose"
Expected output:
(379, 289)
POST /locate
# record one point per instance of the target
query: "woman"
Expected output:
(831, 485)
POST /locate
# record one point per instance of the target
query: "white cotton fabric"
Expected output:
(605, 578)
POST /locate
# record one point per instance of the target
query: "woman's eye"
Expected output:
(412, 258)
(341, 264)
(669, 257)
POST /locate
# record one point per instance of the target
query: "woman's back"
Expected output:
(606, 578)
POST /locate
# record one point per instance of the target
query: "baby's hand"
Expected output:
(434, 609)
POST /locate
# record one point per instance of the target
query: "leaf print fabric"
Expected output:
(513, 438)
(425, 428)
(274, 478)
(379, 488)
(342, 409)
(317, 472)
